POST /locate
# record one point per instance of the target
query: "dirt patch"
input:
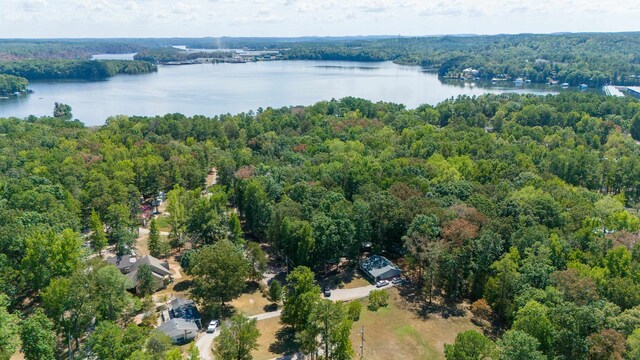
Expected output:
(348, 279)
(252, 303)
(275, 340)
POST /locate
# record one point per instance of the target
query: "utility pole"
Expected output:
(326, 338)
(362, 342)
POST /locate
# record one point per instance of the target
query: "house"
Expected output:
(470, 73)
(129, 265)
(179, 330)
(379, 267)
(185, 309)
(182, 321)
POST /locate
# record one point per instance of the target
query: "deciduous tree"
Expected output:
(9, 330)
(470, 344)
(219, 273)
(237, 339)
(302, 294)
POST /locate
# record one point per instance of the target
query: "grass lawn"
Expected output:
(395, 332)
(273, 341)
(251, 303)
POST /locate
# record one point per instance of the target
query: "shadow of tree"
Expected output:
(285, 342)
(417, 302)
(251, 287)
(217, 311)
(183, 285)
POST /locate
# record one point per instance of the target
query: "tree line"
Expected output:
(594, 59)
(73, 69)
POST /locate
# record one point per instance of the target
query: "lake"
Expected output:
(213, 89)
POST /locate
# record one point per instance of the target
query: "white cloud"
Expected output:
(42, 18)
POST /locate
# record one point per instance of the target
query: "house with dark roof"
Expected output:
(379, 267)
(185, 309)
(179, 330)
(129, 265)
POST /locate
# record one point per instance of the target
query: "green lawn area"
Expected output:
(394, 332)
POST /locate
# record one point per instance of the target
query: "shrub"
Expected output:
(353, 310)
(378, 299)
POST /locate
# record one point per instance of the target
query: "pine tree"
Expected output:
(193, 353)
(155, 247)
(234, 228)
(146, 282)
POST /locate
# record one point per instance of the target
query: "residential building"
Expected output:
(129, 265)
(179, 330)
(379, 267)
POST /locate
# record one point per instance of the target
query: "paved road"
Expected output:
(267, 315)
(204, 343)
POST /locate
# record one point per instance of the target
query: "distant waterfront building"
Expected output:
(611, 90)
(634, 90)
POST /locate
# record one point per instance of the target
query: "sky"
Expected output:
(292, 18)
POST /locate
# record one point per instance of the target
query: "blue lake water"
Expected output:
(212, 89)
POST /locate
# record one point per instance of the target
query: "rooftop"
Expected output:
(185, 309)
(177, 327)
(121, 262)
(377, 265)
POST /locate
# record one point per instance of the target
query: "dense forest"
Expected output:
(523, 205)
(593, 59)
(167, 54)
(73, 69)
(70, 49)
(10, 84)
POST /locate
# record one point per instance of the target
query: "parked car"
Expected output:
(326, 291)
(213, 325)
(397, 280)
(382, 283)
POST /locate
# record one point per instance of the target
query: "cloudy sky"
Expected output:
(198, 18)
